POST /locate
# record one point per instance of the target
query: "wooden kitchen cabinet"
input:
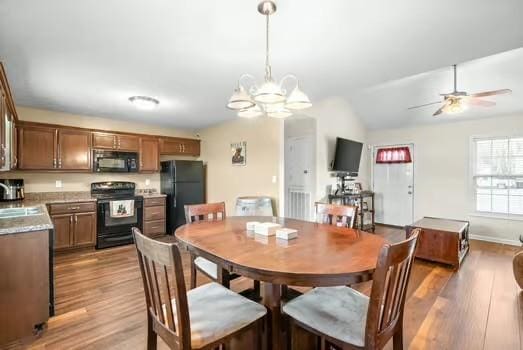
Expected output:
(117, 142)
(74, 225)
(63, 230)
(179, 146)
(84, 231)
(37, 148)
(74, 149)
(149, 155)
(47, 148)
(154, 216)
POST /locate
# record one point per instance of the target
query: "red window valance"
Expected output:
(393, 155)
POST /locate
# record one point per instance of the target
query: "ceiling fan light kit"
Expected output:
(269, 98)
(459, 101)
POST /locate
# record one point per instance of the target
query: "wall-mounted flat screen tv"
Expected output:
(347, 156)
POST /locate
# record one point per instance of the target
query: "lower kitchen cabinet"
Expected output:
(154, 216)
(73, 228)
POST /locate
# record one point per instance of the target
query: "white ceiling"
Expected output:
(386, 105)
(89, 56)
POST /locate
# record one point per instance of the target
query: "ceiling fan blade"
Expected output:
(491, 93)
(481, 103)
(439, 111)
(426, 104)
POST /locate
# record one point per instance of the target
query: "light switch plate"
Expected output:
(147, 182)
(58, 184)
(274, 179)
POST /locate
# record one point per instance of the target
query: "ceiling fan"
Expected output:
(458, 101)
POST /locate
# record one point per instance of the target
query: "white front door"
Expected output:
(393, 185)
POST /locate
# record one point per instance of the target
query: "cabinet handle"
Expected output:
(54, 162)
(75, 219)
(183, 148)
(60, 163)
(70, 219)
(73, 208)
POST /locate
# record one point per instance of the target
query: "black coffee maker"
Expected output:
(11, 189)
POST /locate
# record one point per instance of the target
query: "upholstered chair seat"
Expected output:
(215, 312)
(210, 268)
(339, 312)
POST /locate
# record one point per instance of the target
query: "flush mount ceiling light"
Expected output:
(270, 97)
(144, 102)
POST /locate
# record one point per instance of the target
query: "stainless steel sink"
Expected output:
(7, 213)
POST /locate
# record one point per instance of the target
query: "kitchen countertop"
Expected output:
(39, 200)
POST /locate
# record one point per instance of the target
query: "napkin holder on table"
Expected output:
(266, 228)
(286, 233)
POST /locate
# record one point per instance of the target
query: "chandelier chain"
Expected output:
(268, 73)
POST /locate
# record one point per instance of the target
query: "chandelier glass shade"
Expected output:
(270, 98)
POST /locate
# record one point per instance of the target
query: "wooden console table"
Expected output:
(442, 240)
(357, 199)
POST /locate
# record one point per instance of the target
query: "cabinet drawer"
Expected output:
(154, 213)
(151, 228)
(152, 202)
(72, 207)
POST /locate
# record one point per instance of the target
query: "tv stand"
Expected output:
(357, 199)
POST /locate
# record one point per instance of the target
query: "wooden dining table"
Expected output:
(321, 255)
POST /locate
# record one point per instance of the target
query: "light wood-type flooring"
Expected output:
(100, 302)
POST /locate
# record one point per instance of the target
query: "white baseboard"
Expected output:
(495, 240)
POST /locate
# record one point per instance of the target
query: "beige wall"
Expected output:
(442, 180)
(226, 182)
(46, 181)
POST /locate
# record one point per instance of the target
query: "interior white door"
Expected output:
(299, 177)
(393, 186)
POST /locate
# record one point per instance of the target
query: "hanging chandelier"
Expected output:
(270, 98)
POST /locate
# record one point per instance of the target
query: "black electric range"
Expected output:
(115, 230)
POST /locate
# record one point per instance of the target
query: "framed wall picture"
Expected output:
(239, 153)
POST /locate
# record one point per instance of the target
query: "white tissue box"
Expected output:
(266, 228)
(251, 225)
(286, 233)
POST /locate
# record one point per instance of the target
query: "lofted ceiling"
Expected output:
(89, 56)
(386, 105)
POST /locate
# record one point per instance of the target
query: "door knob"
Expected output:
(410, 192)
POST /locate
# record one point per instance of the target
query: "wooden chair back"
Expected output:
(389, 288)
(205, 212)
(337, 215)
(161, 265)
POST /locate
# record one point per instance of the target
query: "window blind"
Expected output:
(498, 175)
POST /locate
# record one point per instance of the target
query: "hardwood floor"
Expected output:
(100, 302)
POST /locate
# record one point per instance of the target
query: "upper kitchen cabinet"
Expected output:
(117, 142)
(149, 154)
(74, 149)
(8, 118)
(37, 147)
(49, 148)
(179, 146)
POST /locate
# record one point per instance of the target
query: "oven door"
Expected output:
(113, 231)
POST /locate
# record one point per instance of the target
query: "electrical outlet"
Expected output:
(58, 184)
(274, 179)
(147, 182)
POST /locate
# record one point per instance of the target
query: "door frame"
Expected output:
(373, 163)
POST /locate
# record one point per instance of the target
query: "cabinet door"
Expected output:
(127, 143)
(191, 147)
(104, 140)
(63, 230)
(84, 229)
(149, 155)
(3, 112)
(74, 149)
(171, 146)
(37, 148)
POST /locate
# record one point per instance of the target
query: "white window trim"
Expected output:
(472, 175)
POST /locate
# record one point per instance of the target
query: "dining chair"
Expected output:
(348, 319)
(206, 317)
(210, 212)
(337, 215)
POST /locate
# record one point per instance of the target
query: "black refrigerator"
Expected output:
(182, 182)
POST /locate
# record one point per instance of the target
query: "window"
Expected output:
(393, 155)
(498, 175)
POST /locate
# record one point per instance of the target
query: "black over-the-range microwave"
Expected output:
(115, 162)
